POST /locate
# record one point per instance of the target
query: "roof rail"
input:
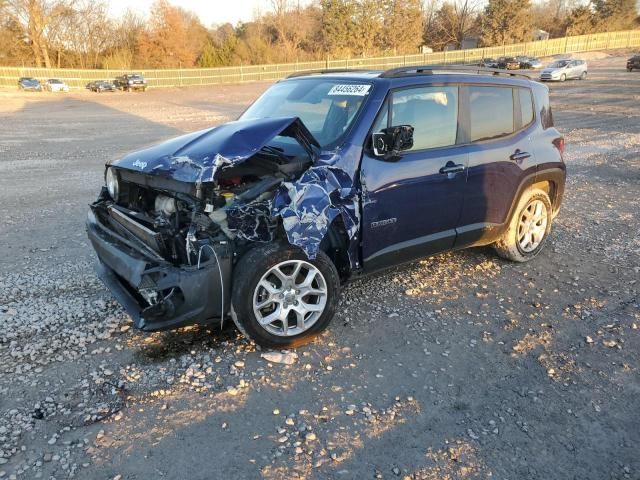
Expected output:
(431, 69)
(326, 71)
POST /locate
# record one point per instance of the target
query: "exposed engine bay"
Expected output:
(178, 226)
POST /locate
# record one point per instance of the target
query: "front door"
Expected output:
(411, 206)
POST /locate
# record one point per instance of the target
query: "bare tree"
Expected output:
(37, 18)
(452, 23)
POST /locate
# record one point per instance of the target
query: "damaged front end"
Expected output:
(172, 218)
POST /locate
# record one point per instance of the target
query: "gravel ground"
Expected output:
(458, 366)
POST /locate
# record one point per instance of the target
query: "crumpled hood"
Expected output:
(198, 156)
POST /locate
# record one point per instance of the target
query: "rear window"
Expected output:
(526, 106)
(491, 112)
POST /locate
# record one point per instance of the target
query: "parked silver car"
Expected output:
(562, 70)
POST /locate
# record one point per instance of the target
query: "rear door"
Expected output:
(501, 120)
(572, 69)
(411, 206)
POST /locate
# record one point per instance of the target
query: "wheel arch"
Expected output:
(336, 245)
(550, 180)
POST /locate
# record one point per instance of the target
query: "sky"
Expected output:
(210, 11)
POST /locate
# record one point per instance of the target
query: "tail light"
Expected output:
(559, 144)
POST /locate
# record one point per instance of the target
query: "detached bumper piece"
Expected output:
(157, 294)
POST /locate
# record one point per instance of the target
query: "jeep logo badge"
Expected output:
(139, 164)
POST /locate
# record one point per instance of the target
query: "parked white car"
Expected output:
(562, 70)
(55, 85)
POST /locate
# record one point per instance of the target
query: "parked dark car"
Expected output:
(489, 63)
(328, 176)
(132, 81)
(633, 63)
(508, 63)
(529, 63)
(100, 86)
(29, 84)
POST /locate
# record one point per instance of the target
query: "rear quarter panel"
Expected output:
(550, 163)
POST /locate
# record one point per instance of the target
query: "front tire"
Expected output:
(563, 77)
(528, 228)
(280, 298)
(583, 76)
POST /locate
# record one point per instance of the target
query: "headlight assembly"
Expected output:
(111, 179)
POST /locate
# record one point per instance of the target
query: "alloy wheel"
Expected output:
(290, 298)
(532, 226)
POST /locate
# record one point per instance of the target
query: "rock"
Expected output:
(310, 437)
(232, 391)
(287, 358)
(588, 339)
(396, 471)
(276, 411)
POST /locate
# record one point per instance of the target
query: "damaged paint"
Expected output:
(252, 221)
(309, 205)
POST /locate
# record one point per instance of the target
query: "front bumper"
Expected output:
(157, 294)
(547, 77)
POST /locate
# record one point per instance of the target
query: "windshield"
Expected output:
(326, 107)
(559, 64)
(55, 81)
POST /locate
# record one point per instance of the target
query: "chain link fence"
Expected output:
(212, 76)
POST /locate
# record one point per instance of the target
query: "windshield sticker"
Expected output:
(350, 89)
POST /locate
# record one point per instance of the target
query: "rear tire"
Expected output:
(271, 302)
(528, 228)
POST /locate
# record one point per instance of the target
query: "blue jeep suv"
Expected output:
(328, 176)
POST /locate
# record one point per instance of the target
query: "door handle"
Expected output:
(518, 155)
(451, 168)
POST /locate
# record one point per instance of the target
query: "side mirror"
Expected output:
(388, 143)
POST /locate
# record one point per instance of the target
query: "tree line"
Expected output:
(81, 33)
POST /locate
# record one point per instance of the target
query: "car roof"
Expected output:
(411, 75)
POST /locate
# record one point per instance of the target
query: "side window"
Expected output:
(431, 111)
(526, 106)
(491, 112)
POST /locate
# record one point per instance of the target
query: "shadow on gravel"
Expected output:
(159, 347)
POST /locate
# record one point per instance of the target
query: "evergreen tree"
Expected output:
(505, 22)
(614, 15)
(403, 26)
